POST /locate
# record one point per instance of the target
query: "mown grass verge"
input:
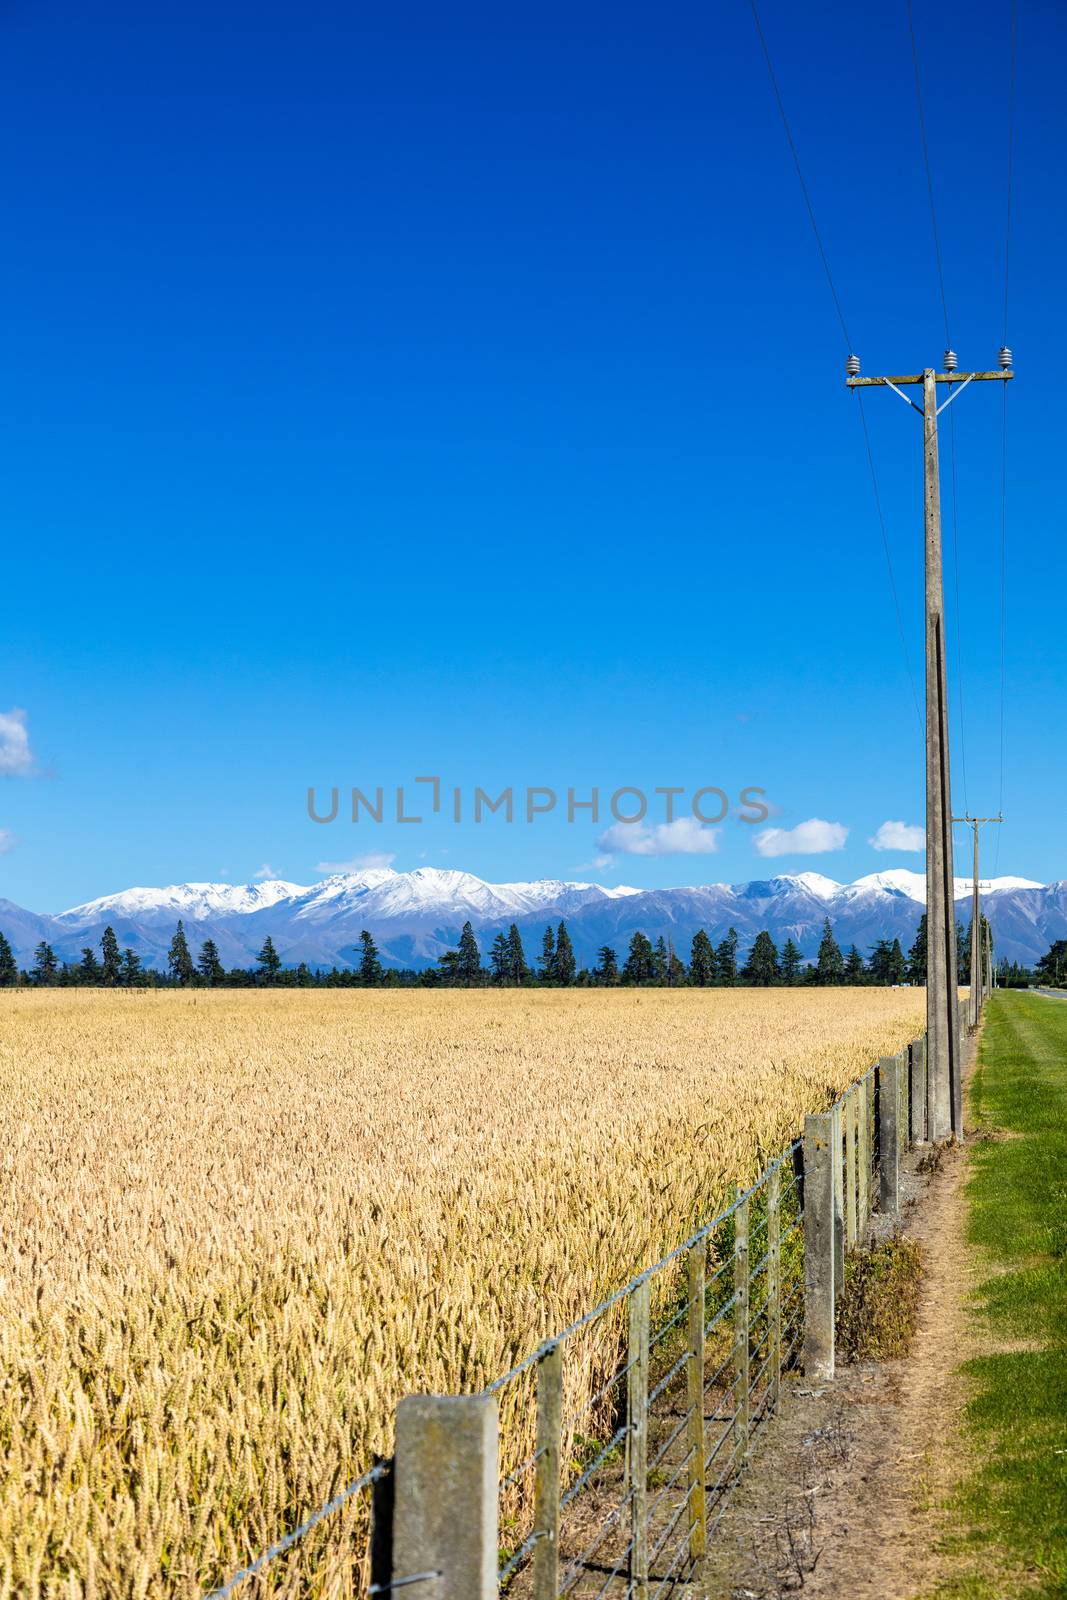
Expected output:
(1012, 1508)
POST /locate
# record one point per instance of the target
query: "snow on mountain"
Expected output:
(195, 901)
(902, 880)
(897, 880)
(816, 884)
(415, 916)
(433, 892)
(995, 885)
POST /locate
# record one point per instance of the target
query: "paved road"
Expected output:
(1052, 994)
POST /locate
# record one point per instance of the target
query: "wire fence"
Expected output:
(362, 1487)
(622, 1438)
(644, 1410)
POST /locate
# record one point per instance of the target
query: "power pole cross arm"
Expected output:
(939, 377)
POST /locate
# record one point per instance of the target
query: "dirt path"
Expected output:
(844, 1499)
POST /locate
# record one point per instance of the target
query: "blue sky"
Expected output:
(394, 391)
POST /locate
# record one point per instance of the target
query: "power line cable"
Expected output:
(952, 419)
(848, 342)
(956, 573)
(889, 560)
(800, 174)
(929, 175)
(1003, 600)
(1004, 417)
(1011, 157)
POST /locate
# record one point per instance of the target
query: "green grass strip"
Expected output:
(1013, 1506)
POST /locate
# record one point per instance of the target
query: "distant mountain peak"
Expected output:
(414, 916)
(194, 900)
(898, 880)
(824, 888)
(902, 880)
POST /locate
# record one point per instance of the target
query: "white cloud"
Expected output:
(7, 841)
(16, 757)
(598, 864)
(265, 871)
(811, 838)
(365, 863)
(899, 836)
(685, 836)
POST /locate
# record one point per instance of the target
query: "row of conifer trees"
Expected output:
(648, 963)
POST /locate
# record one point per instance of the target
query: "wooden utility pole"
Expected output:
(979, 977)
(944, 1083)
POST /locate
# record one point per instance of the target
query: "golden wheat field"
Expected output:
(237, 1227)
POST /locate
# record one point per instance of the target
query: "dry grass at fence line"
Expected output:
(237, 1227)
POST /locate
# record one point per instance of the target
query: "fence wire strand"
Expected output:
(747, 1389)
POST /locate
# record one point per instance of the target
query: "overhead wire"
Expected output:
(958, 607)
(1004, 421)
(800, 172)
(952, 418)
(929, 174)
(1003, 602)
(889, 560)
(824, 258)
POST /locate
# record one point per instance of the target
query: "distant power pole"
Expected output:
(980, 984)
(945, 1087)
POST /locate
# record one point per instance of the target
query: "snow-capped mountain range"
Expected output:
(415, 916)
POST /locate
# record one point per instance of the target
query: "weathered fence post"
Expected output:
(917, 1073)
(863, 1155)
(547, 1480)
(695, 1400)
(933, 1112)
(774, 1284)
(637, 1393)
(904, 1097)
(818, 1247)
(889, 1075)
(852, 1180)
(840, 1179)
(741, 1330)
(445, 1511)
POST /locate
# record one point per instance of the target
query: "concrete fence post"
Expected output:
(840, 1182)
(904, 1107)
(445, 1510)
(741, 1330)
(774, 1284)
(863, 1155)
(917, 1074)
(889, 1075)
(818, 1247)
(547, 1481)
(851, 1109)
(695, 1401)
(637, 1453)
